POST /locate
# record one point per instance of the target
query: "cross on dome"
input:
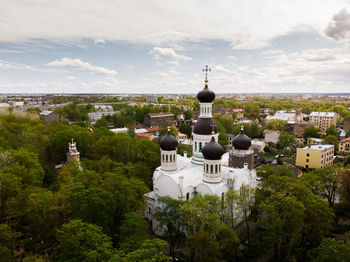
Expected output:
(206, 70)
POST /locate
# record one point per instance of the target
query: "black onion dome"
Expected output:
(204, 126)
(206, 95)
(168, 142)
(241, 141)
(213, 150)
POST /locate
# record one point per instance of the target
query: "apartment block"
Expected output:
(344, 146)
(323, 120)
(315, 156)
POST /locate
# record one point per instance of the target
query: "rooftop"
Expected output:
(331, 114)
(319, 147)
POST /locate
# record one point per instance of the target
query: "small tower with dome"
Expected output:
(73, 154)
(168, 157)
(212, 153)
(241, 152)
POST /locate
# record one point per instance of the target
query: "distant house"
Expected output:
(258, 145)
(120, 130)
(344, 146)
(239, 112)
(158, 119)
(49, 116)
(314, 141)
(323, 120)
(271, 136)
(4, 105)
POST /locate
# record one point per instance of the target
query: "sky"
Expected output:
(161, 46)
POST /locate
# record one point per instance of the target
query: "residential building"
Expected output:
(289, 117)
(299, 128)
(323, 120)
(344, 146)
(49, 116)
(315, 156)
(104, 108)
(151, 99)
(271, 136)
(258, 145)
(239, 112)
(124, 130)
(158, 119)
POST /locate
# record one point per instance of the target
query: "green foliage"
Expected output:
(188, 114)
(132, 231)
(311, 131)
(286, 140)
(186, 129)
(276, 124)
(331, 140)
(7, 242)
(332, 131)
(332, 250)
(164, 131)
(80, 241)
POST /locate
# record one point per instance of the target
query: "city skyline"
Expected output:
(161, 46)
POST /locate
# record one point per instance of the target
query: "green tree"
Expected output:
(311, 131)
(186, 129)
(332, 250)
(171, 223)
(286, 140)
(332, 140)
(188, 114)
(332, 130)
(132, 231)
(80, 241)
(8, 239)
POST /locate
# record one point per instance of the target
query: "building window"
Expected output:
(211, 169)
(149, 210)
(216, 168)
(307, 154)
(195, 146)
(307, 160)
(307, 166)
(200, 146)
(187, 196)
(166, 158)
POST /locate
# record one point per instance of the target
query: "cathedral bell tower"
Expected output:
(205, 123)
(168, 151)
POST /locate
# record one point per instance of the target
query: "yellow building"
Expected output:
(315, 156)
(344, 146)
(323, 120)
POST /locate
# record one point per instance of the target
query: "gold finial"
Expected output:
(242, 127)
(212, 132)
(206, 70)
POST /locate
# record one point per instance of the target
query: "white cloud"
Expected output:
(70, 77)
(81, 66)
(99, 41)
(245, 24)
(231, 57)
(168, 53)
(339, 27)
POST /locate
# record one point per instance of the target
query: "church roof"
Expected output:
(213, 150)
(204, 126)
(241, 141)
(168, 142)
(206, 95)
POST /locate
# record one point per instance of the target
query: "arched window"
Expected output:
(220, 168)
(216, 168)
(195, 146)
(163, 158)
(187, 196)
(211, 169)
(166, 158)
(200, 146)
(170, 158)
(207, 168)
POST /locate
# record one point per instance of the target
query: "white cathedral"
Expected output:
(211, 170)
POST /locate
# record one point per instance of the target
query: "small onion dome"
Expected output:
(204, 126)
(206, 95)
(168, 142)
(213, 150)
(241, 141)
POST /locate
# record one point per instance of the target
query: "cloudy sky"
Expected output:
(161, 46)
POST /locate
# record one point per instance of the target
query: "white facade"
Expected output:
(168, 160)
